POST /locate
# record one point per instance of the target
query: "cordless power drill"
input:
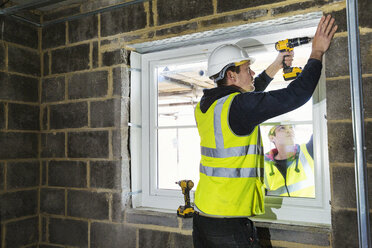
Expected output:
(186, 211)
(287, 45)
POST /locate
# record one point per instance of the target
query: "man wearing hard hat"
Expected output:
(231, 183)
(289, 167)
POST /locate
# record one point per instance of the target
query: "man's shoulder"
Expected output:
(212, 95)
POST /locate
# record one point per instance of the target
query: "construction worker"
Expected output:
(289, 167)
(231, 188)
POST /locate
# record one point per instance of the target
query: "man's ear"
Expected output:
(271, 138)
(230, 75)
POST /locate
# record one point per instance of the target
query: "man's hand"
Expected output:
(323, 36)
(278, 63)
(288, 59)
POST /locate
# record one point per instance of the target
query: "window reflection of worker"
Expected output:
(289, 167)
(231, 185)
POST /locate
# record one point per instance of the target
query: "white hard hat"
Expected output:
(225, 56)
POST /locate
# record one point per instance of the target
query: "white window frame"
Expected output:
(143, 156)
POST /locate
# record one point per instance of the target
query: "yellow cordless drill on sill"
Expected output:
(287, 45)
(186, 211)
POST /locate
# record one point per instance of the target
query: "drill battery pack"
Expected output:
(185, 212)
(291, 73)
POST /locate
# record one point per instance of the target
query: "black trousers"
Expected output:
(224, 232)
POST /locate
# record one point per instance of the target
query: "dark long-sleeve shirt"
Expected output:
(249, 109)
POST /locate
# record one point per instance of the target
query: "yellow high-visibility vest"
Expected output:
(231, 166)
(299, 181)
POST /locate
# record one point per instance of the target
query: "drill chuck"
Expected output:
(298, 41)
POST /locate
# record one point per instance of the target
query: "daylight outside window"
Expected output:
(179, 90)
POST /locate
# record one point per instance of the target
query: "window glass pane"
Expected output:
(289, 163)
(178, 156)
(302, 134)
(179, 90)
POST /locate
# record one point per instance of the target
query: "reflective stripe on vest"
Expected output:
(230, 152)
(299, 185)
(231, 172)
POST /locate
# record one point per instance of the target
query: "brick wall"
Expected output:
(84, 106)
(72, 156)
(19, 133)
(340, 134)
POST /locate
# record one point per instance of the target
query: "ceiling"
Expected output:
(44, 5)
(30, 10)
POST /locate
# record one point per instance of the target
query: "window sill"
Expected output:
(270, 233)
(168, 218)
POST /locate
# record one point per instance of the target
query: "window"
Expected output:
(165, 142)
